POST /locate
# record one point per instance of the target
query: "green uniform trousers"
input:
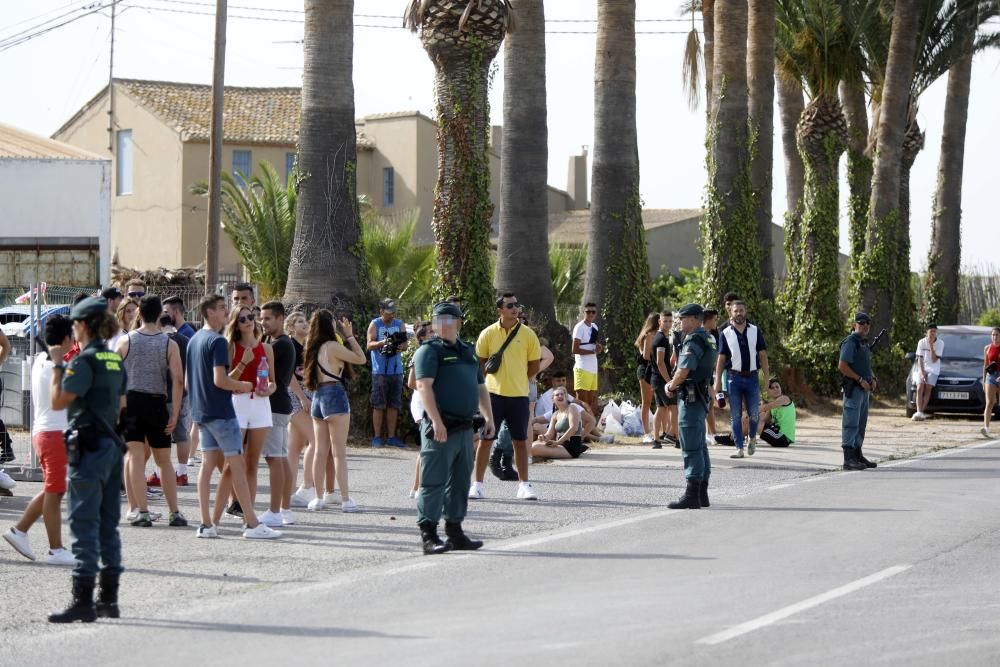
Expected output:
(691, 427)
(445, 476)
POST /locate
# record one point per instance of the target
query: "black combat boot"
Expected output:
(496, 463)
(82, 606)
(107, 596)
(432, 543)
(851, 461)
(703, 493)
(862, 459)
(507, 466)
(689, 501)
(457, 539)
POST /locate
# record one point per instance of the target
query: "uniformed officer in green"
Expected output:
(690, 382)
(859, 382)
(451, 385)
(92, 388)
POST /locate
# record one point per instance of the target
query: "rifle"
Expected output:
(876, 339)
(847, 385)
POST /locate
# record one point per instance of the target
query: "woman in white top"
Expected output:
(47, 439)
(126, 314)
(422, 331)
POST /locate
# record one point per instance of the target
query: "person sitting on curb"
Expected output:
(777, 423)
(564, 438)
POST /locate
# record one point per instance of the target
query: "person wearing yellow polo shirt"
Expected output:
(585, 350)
(508, 387)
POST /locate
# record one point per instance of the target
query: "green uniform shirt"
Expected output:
(455, 370)
(97, 377)
(698, 355)
(854, 350)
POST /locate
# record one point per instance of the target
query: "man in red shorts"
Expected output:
(47, 438)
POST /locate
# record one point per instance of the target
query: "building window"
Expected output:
(123, 176)
(289, 165)
(388, 187)
(241, 167)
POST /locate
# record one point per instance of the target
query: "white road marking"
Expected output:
(785, 612)
(779, 486)
(938, 454)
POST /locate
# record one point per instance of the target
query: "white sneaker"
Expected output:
(207, 532)
(477, 491)
(302, 496)
(134, 514)
(272, 519)
(331, 498)
(985, 432)
(647, 439)
(60, 557)
(261, 532)
(413, 493)
(152, 493)
(349, 506)
(709, 440)
(315, 505)
(752, 446)
(19, 541)
(526, 492)
(287, 518)
(6, 481)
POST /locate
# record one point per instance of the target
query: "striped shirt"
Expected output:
(737, 347)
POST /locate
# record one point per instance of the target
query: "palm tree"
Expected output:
(760, 81)
(859, 169)
(523, 244)
(617, 268)
(398, 269)
(879, 265)
(567, 270)
(259, 218)
(327, 267)
(461, 38)
(817, 42)
(730, 262)
(790, 107)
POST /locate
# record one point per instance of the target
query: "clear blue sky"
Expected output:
(45, 80)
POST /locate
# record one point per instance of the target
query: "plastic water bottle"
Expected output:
(262, 373)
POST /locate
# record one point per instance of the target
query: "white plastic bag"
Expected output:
(612, 426)
(611, 410)
(632, 424)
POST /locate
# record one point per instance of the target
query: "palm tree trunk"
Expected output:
(760, 80)
(327, 266)
(708, 28)
(904, 318)
(790, 107)
(523, 245)
(945, 257)
(617, 265)
(859, 171)
(731, 259)
(880, 267)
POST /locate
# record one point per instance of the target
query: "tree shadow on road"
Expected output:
(593, 556)
(270, 629)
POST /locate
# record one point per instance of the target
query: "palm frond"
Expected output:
(692, 67)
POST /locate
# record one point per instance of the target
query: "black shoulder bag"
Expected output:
(493, 363)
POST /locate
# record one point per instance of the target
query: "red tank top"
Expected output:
(993, 354)
(249, 373)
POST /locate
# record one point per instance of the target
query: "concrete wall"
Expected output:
(145, 225)
(51, 203)
(675, 246)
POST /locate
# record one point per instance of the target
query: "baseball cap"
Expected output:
(112, 293)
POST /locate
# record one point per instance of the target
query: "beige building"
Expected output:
(157, 139)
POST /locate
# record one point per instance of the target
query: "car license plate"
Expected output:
(953, 395)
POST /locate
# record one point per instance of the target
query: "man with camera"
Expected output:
(386, 340)
(451, 385)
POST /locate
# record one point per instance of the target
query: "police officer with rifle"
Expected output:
(857, 385)
(690, 382)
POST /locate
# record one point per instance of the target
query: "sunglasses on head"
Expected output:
(512, 305)
(137, 295)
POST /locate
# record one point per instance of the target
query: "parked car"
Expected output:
(959, 388)
(14, 320)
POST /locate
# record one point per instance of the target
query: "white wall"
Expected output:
(57, 199)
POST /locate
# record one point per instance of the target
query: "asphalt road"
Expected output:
(891, 566)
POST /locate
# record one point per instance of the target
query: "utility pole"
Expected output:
(111, 84)
(215, 152)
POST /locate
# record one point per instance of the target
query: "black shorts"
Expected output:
(514, 411)
(660, 394)
(575, 446)
(642, 372)
(772, 436)
(146, 419)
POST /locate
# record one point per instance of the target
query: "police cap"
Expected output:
(447, 308)
(861, 317)
(691, 310)
(92, 305)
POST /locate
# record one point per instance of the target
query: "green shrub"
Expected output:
(989, 318)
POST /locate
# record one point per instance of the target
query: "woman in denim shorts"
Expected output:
(327, 366)
(991, 378)
(300, 429)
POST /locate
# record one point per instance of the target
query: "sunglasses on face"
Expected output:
(243, 319)
(512, 305)
(590, 312)
(137, 295)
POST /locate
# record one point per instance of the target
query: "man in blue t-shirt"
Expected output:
(210, 389)
(384, 347)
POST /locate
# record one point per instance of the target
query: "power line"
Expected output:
(21, 37)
